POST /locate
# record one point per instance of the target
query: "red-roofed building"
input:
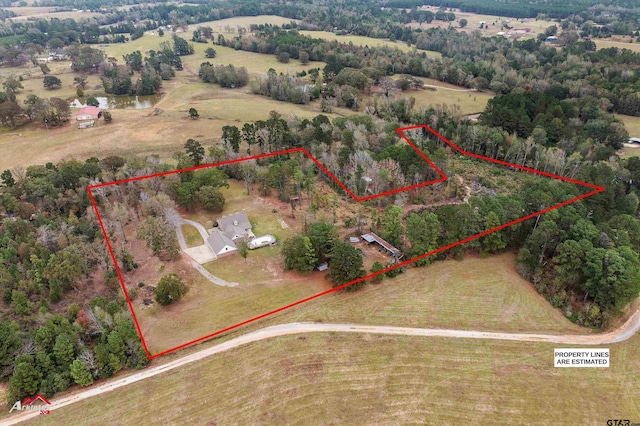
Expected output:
(88, 113)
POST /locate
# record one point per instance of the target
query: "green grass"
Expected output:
(356, 379)
(476, 293)
(601, 44)
(192, 236)
(365, 41)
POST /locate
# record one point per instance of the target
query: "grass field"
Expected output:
(365, 41)
(367, 379)
(601, 44)
(232, 24)
(192, 236)
(493, 23)
(475, 293)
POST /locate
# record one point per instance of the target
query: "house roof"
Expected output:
(217, 240)
(234, 224)
(88, 110)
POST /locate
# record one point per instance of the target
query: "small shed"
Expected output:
(323, 267)
(372, 238)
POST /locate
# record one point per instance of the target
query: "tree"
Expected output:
(170, 289)
(10, 113)
(494, 241)
(159, 237)
(303, 57)
(52, 113)
(7, 179)
(323, 237)
(181, 47)
(80, 81)
(24, 382)
(243, 249)
(377, 267)
(392, 225)
(210, 52)
(12, 88)
(193, 114)
(346, 265)
(283, 57)
(92, 101)
(463, 23)
(194, 150)
(9, 344)
(80, 374)
(51, 82)
(108, 118)
(231, 136)
(20, 303)
(45, 69)
(299, 254)
(210, 198)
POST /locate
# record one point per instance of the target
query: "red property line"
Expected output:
(597, 189)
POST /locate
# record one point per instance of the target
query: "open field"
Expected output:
(493, 24)
(230, 25)
(136, 132)
(469, 101)
(476, 293)
(394, 380)
(365, 41)
(632, 125)
(34, 13)
(602, 43)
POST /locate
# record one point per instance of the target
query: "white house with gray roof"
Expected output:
(231, 228)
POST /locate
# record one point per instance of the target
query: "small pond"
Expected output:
(120, 102)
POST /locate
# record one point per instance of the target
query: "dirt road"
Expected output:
(624, 332)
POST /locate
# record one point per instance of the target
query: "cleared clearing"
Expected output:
(493, 23)
(601, 44)
(230, 25)
(395, 380)
(365, 41)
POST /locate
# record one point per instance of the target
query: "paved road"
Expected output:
(623, 333)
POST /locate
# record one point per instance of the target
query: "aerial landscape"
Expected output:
(321, 212)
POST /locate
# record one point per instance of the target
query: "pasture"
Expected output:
(393, 379)
(365, 41)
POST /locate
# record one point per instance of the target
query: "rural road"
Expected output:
(622, 333)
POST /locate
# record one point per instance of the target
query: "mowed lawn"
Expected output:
(192, 236)
(324, 378)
